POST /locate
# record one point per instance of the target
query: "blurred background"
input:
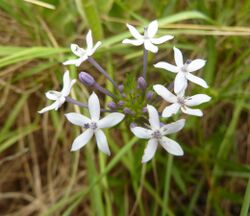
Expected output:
(38, 173)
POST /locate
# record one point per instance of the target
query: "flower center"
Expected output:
(181, 101)
(91, 125)
(184, 68)
(156, 134)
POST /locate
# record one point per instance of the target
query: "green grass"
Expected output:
(39, 174)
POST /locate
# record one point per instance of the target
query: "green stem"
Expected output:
(167, 184)
(246, 202)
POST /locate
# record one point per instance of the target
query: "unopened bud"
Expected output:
(133, 124)
(127, 110)
(150, 95)
(86, 79)
(141, 83)
(112, 105)
(145, 110)
(121, 103)
(121, 88)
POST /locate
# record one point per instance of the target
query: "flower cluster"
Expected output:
(134, 97)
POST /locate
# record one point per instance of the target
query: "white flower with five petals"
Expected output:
(147, 39)
(83, 54)
(59, 97)
(157, 135)
(184, 71)
(179, 101)
(93, 125)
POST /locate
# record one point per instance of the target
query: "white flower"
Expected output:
(148, 38)
(157, 134)
(83, 54)
(184, 71)
(59, 97)
(93, 125)
(180, 102)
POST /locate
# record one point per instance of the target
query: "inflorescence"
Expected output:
(133, 98)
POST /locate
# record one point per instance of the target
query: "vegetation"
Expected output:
(39, 174)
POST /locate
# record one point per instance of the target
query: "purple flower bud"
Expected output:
(141, 83)
(121, 103)
(188, 61)
(112, 105)
(121, 88)
(144, 110)
(171, 86)
(126, 110)
(150, 95)
(86, 79)
(133, 124)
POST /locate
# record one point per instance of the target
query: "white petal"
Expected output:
(167, 66)
(180, 82)
(67, 84)
(92, 51)
(152, 29)
(94, 107)
(170, 110)
(197, 99)
(77, 119)
(53, 106)
(89, 40)
(165, 93)
(141, 132)
(133, 42)
(82, 140)
(153, 117)
(196, 80)
(76, 62)
(111, 120)
(178, 57)
(150, 150)
(134, 32)
(189, 111)
(102, 142)
(172, 127)
(195, 65)
(162, 39)
(150, 47)
(77, 50)
(53, 95)
(171, 146)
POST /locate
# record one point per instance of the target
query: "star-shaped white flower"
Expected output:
(184, 71)
(59, 97)
(93, 125)
(157, 134)
(179, 101)
(148, 38)
(83, 54)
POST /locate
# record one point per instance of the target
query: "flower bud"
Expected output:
(141, 83)
(133, 124)
(112, 105)
(121, 103)
(86, 79)
(121, 88)
(150, 95)
(145, 110)
(126, 110)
